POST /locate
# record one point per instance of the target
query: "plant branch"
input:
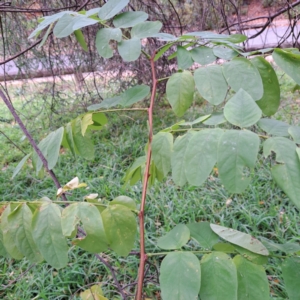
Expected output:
(143, 256)
(12, 142)
(31, 140)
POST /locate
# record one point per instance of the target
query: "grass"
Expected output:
(263, 210)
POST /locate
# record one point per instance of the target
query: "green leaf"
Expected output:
(241, 74)
(161, 52)
(201, 155)
(64, 26)
(233, 38)
(20, 229)
(180, 91)
(203, 55)
(174, 239)
(294, 131)
(99, 120)
(20, 165)
(218, 277)
(129, 19)
(180, 276)
(9, 236)
(184, 58)
(224, 247)
(241, 239)
(145, 29)
(80, 39)
(252, 280)
(291, 274)
(274, 127)
(177, 158)
(270, 100)
(106, 103)
(45, 37)
(161, 151)
(224, 52)
(134, 94)
(287, 172)
(83, 144)
(215, 119)
(251, 256)
(126, 201)
(92, 12)
(289, 62)
(103, 37)
(166, 37)
(237, 154)
(203, 234)
(93, 293)
(241, 110)
(86, 213)
(130, 50)
(120, 227)
(48, 236)
(137, 165)
(85, 122)
(81, 21)
(288, 248)
(211, 84)
(3, 251)
(111, 8)
(50, 147)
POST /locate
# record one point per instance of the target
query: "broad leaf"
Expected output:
(270, 100)
(20, 165)
(225, 52)
(241, 110)
(130, 50)
(201, 155)
(294, 131)
(288, 248)
(237, 154)
(180, 276)
(3, 251)
(215, 119)
(224, 247)
(197, 121)
(211, 84)
(161, 151)
(9, 236)
(252, 280)
(81, 21)
(145, 29)
(203, 234)
(291, 273)
(86, 121)
(241, 239)
(103, 37)
(203, 55)
(241, 74)
(93, 293)
(64, 26)
(174, 239)
(289, 62)
(111, 8)
(126, 201)
(86, 213)
(120, 228)
(287, 172)
(177, 159)
(48, 236)
(135, 170)
(20, 229)
(180, 91)
(134, 94)
(106, 103)
(218, 277)
(184, 58)
(274, 127)
(129, 19)
(50, 147)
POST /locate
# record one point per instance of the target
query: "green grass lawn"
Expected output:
(263, 210)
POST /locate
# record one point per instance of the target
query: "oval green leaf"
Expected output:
(126, 201)
(134, 94)
(180, 276)
(203, 55)
(103, 36)
(291, 274)
(274, 127)
(184, 58)
(241, 110)
(130, 50)
(145, 29)
(241, 239)
(174, 239)
(218, 277)
(111, 8)
(129, 19)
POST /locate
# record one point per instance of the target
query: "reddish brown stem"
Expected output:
(143, 256)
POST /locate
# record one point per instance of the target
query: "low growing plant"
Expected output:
(226, 264)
